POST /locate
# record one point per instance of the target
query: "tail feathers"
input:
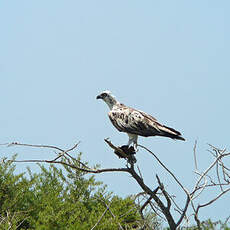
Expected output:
(170, 132)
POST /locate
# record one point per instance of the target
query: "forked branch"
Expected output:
(216, 175)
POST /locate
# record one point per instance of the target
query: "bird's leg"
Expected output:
(129, 142)
(135, 146)
(133, 140)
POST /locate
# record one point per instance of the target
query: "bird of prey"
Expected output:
(135, 122)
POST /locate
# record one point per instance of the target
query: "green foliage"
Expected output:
(61, 199)
(210, 225)
(64, 199)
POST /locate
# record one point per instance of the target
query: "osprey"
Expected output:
(135, 122)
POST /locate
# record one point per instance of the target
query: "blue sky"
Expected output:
(168, 58)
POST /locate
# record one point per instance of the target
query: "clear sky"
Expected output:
(168, 58)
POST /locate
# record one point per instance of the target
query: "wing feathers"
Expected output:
(133, 121)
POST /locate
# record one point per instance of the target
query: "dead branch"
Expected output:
(96, 171)
(99, 220)
(108, 207)
(216, 175)
(160, 162)
(164, 209)
(121, 152)
(194, 154)
(164, 192)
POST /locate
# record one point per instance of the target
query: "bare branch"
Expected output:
(205, 181)
(218, 176)
(36, 146)
(96, 171)
(164, 192)
(107, 208)
(227, 219)
(194, 154)
(213, 200)
(207, 170)
(157, 211)
(184, 210)
(140, 172)
(174, 177)
(148, 201)
(164, 209)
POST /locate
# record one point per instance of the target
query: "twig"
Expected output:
(148, 201)
(164, 192)
(226, 221)
(194, 154)
(164, 209)
(36, 146)
(74, 167)
(213, 200)
(174, 177)
(218, 176)
(140, 172)
(157, 211)
(158, 205)
(107, 208)
(208, 169)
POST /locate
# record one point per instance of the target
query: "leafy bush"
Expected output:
(61, 199)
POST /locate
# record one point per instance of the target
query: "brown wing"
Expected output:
(128, 120)
(133, 121)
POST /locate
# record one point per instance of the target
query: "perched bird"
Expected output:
(135, 122)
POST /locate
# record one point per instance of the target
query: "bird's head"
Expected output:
(108, 98)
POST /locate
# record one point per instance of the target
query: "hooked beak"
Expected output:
(99, 97)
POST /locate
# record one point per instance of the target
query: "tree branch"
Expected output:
(96, 171)
(204, 181)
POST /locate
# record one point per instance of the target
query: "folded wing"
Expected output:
(129, 120)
